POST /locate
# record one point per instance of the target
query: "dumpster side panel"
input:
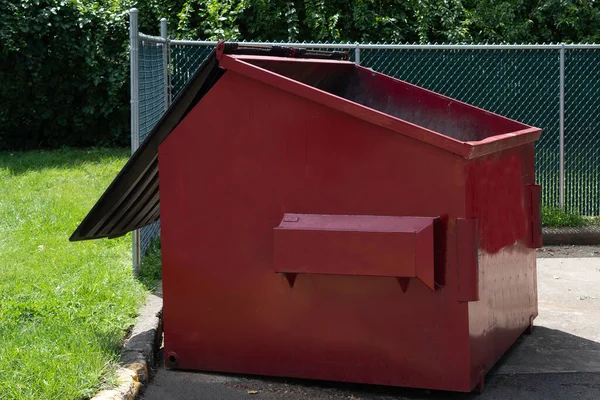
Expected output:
(498, 197)
(244, 156)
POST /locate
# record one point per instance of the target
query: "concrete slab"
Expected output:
(568, 252)
(560, 360)
(567, 334)
(569, 296)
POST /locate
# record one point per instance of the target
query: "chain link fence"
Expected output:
(152, 105)
(185, 60)
(520, 82)
(582, 130)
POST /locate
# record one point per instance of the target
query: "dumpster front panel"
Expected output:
(359, 245)
(411, 110)
(230, 172)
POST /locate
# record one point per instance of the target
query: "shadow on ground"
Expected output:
(549, 364)
(21, 162)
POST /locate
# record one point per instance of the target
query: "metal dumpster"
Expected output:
(321, 220)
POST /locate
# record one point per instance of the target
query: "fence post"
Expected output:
(167, 84)
(135, 113)
(357, 54)
(561, 183)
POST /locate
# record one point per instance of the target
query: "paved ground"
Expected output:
(569, 252)
(560, 360)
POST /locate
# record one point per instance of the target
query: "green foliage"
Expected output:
(322, 20)
(535, 21)
(557, 217)
(151, 268)
(64, 63)
(63, 70)
(391, 21)
(64, 307)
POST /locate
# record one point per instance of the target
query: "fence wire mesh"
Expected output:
(185, 60)
(582, 130)
(152, 107)
(522, 84)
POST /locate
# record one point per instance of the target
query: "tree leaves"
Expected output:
(64, 63)
(63, 71)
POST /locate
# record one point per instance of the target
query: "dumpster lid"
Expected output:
(132, 199)
(438, 120)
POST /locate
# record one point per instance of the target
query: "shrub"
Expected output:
(557, 217)
(63, 74)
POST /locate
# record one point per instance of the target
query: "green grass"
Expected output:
(151, 268)
(592, 221)
(64, 307)
(557, 217)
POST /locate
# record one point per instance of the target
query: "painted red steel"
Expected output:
(267, 141)
(360, 245)
(467, 258)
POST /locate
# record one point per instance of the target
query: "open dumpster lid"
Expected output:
(132, 200)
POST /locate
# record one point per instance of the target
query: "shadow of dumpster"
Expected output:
(549, 364)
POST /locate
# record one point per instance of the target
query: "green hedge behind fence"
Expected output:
(64, 65)
(63, 75)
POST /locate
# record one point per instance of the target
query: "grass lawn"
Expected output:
(555, 217)
(64, 307)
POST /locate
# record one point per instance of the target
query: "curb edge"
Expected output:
(582, 236)
(138, 354)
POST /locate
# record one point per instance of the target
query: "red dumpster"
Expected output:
(320, 220)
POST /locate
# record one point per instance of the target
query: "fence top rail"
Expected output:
(153, 39)
(291, 44)
(367, 46)
(551, 46)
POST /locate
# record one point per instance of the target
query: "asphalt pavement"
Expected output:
(560, 360)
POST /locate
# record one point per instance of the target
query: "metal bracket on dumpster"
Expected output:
(358, 245)
(535, 231)
(468, 259)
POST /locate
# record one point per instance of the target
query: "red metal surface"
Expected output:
(468, 260)
(535, 193)
(219, 49)
(503, 133)
(357, 245)
(227, 180)
(499, 199)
